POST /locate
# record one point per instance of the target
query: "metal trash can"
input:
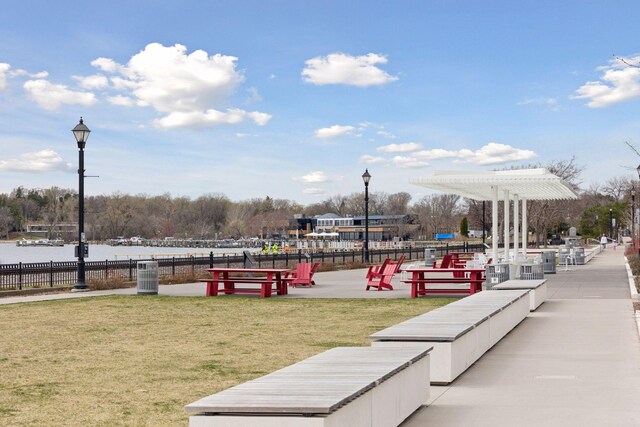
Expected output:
(563, 255)
(429, 257)
(147, 278)
(549, 262)
(496, 273)
(578, 253)
(531, 271)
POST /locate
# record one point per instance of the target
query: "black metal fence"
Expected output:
(50, 274)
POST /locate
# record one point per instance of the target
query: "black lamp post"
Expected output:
(634, 211)
(633, 216)
(366, 177)
(611, 223)
(81, 133)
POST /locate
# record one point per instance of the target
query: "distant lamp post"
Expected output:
(611, 223)
(366, 177)
(81, 133)
(633, 216)
(634, 211)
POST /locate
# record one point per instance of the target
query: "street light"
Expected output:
(634, 211)
(611, 223)
(81, 133)
(633, 215)
(366, 177)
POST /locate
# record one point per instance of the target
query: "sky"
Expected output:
(295, 99)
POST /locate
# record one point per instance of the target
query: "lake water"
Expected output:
(12, 254)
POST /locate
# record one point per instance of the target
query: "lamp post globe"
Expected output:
(81, 133)
(366, 177)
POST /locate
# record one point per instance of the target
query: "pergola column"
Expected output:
(507, 223)
(516, 232)
(525, 232)
(494, 224)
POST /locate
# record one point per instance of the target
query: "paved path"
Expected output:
(574, 362)
(332, 284)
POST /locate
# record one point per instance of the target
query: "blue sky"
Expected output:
(295, 99)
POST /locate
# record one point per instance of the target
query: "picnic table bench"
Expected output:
(229, 277)
(460, 332)
(344, 386)
(421, 277)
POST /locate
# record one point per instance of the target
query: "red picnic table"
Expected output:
(420, 277)
(265, 277)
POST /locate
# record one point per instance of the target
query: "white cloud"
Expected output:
(40, 161)
(189, 89)
(123, 101)
(409, 162)
(550, 103)
(22, 73)
(494, 153)
(51, 96)
(372, 160)
(314, 191)
(315, 177)
(107, 65)
(95, 81)
(4, 67)
(254, 96)
(334, 131)
(618, 83)
(210, 117)
(436, 153)
(400, 148)
(339, 68)
(386, 134)
(241, 135)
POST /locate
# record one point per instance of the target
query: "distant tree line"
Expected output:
(216, 216)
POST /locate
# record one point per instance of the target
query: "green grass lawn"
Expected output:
(136, 361)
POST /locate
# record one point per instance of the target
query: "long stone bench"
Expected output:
(344, 386)
(538, 289)
(460, 332)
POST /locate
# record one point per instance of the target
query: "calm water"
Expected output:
(12, 254)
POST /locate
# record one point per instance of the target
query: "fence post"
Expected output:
(173, 266)
(130, 270)
(20, 275)
(211, 259)
(51, 274)
(106, 269)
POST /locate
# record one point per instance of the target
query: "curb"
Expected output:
(634, 292)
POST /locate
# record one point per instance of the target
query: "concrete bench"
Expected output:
(538, 289)
(460, 332)
(344, 386)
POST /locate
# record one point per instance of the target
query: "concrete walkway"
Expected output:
(574, 362)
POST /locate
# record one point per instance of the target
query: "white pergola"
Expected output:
(518, 185)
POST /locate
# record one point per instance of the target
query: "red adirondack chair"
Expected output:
(399, 263)
(376, 269)
(302, 275)
(382, 279)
